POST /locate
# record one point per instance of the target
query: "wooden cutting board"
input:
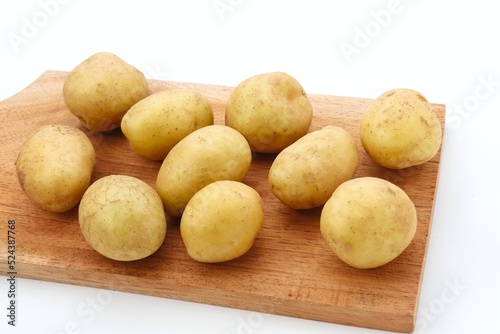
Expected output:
(289, 271)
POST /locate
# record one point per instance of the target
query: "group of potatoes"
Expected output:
(366, 221)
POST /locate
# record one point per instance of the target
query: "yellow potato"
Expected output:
(158, 122)
(54, 166)
(101, 89)
(211, 153)
(221, 221)
(368, 222)
(400, 129)
(122, 218)
(305, 174)
(271, 110)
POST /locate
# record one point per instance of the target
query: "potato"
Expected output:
(211, 153)
(305, 174)
(271, 110)
(122, 218)
(400, 129)
(221, 221)
(54, 166)
(101, 89)
(158, 122)
(368, 222)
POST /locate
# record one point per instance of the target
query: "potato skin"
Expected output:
(400, 129)
(211, 153)
(221, 221)
(54, 166)
(158, 122)
(271, 110)
(368, 222)
(305, 174)
(101, 89)
(122, 218)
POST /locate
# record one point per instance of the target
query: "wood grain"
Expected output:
(289, 271)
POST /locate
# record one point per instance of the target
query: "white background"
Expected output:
(448, 50)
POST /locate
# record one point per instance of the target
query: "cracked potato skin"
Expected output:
(271, 110)
(368, 222)
(400, 129)
(54, 166)
(122, 218)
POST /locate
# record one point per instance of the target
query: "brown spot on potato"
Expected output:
(421, 98)
(423, 120)
(391, 191)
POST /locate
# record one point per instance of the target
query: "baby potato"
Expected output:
(368, 222)
(221, 221)
(158, 122)
(54, 166)
(305, 174)
(211, 153)
(122, 218)
(101, 89)
(271, 110)
(400, 129)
